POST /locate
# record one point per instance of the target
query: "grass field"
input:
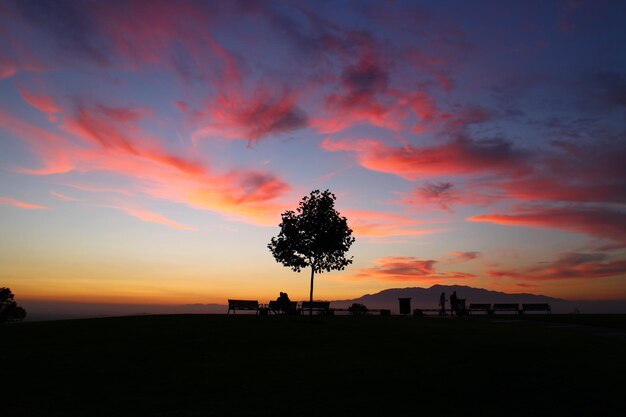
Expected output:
(211, 365)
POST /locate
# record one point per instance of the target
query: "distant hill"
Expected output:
(425, 298)
(428, 298)
(59, 310)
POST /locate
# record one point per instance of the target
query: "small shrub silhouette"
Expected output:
(9, 310)
(357, 309)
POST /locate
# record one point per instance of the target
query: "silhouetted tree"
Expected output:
(357, 309)
(9, 310)
(314, 236)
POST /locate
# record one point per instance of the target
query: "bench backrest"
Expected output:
(243, 305)
(316, 305)
(506, 306)
(536, 307)
(480, 306)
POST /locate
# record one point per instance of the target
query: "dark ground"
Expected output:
(212, 365)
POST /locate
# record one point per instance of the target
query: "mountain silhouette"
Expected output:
(425, 298)
(428, 298)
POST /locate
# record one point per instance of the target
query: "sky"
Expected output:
(148, 148)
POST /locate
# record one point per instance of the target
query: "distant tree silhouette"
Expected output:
(357, 309)
(9, 310)
(314, 236)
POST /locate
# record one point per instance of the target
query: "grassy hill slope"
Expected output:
(203, 365)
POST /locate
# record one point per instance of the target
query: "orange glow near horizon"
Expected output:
(150, 163)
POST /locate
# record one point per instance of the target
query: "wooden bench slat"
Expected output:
(320, 306)
(479, 307)
(235, 305)
(274, 306)
(506, 307)
(536, 307)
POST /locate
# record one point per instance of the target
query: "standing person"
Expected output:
(453, 304)
(442, 304)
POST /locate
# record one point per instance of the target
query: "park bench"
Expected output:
(510, 307)
(275, 308)
(381, 311)
(423, 311)
(251, 305)
(486, 308)
(317, 306)
(541, 307)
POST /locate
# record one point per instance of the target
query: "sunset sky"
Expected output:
(147, 148)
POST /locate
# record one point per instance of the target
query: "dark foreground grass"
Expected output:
(195, 365)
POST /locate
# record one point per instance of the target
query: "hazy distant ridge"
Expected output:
(428, 298)
(425, 298)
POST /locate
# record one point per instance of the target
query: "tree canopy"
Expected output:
(9, 310)
(315, 236)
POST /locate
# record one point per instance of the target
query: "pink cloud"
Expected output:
(525, 285)
(41, 102)
(153, 217)
(425, 110)
(236, 115)
(48, 146)
(567, 267)
(7, 70)
(378, 224)
(461, 156)
(116, 129)
(10, 201)
(403, 268)
(547, 188)
(595, 221)
(63, 197)
(464, 256)
(117, 145)
(91, 188)
(363, 98)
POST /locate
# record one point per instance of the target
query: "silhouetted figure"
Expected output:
(442, 304)
(286, 303)
(277, 304)
(454, 304)
(283, 303)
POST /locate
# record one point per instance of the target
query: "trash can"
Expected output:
(405, 305)
(460, 307)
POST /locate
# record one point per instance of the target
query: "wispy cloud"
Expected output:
(234, 115)
(10, 201)
(406, 268)
(464, 256)
(462, 156)
(368, 223)
(601, 222)
(153, 217)
(62, 196)
(41, 102)
(111, 140)
(570, 266)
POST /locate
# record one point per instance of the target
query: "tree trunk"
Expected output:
(311, 293)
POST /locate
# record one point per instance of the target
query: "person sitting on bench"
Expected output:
(283, 303)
